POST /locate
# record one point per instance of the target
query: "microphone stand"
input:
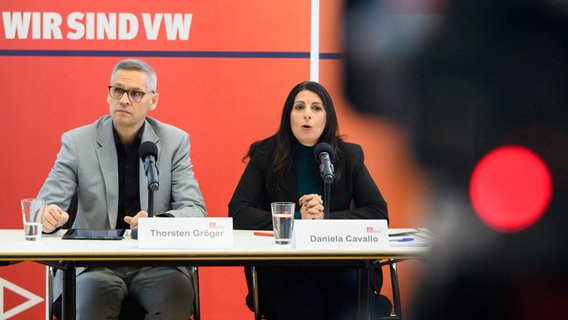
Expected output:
(150, 202)
(134, 232)
(326, 193)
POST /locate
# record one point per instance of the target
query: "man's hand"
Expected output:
(133, 221)
(54, 218)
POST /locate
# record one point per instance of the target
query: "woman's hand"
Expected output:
(311, 206)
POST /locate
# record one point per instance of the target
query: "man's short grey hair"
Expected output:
(137, 65)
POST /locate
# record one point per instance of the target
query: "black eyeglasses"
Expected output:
(133, 95)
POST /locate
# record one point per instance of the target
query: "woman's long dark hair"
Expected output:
(282, 144)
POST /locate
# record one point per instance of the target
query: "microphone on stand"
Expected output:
(148, 152)
(324, 153)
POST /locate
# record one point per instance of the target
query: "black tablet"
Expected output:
(94, 234)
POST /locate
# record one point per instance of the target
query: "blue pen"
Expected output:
(404, 239)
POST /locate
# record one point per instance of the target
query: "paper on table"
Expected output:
(412, 238)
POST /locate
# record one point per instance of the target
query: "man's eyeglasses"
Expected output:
(133, 95)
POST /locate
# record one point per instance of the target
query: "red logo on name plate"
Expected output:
(369, 229)
(212, 225)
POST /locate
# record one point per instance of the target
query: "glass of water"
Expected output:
(32, 215)
(283, 221)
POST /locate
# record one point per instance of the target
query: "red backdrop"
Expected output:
(224, 69)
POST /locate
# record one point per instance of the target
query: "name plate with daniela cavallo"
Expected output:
(364, 234)
(185, 233)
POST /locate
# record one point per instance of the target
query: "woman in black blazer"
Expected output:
(282, 167)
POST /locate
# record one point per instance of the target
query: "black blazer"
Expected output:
(353, 196)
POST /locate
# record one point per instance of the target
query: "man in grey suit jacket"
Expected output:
(99, 163)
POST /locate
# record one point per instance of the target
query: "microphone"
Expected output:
(148, 152)
(324, 153)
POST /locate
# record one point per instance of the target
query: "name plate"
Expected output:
(185, 233)
(365, 234)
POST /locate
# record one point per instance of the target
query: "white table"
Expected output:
(248, 250)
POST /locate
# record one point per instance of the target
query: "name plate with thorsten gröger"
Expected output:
(358, 234)
(185, 233)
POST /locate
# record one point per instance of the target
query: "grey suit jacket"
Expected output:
(87, 164)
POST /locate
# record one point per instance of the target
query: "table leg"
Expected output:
(68, 294)
(364, 290)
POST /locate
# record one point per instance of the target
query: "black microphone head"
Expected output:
(323, 147)
(148, 148)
